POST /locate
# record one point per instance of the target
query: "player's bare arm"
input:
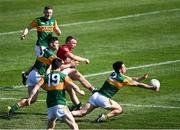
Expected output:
(25, 32)
(57, 31)
(145, 76)
(77, 58)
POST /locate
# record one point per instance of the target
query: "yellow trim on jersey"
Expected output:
(45, 28)
(119, 84)
(115, 83)
(46, 60)
(60, 86)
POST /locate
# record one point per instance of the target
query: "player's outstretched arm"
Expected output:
(77, 58)
(131, 82)
(145, 76)
(143, 85)
(72, 64)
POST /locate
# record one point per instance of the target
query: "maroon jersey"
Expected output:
(62, 51)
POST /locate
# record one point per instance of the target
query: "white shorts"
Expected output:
(33, 78)
(66, 71)
(39, 50)
(58, 111)
(100, 101)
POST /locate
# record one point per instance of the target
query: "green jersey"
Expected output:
(55, 84)
(45, 27)
(112, 85)
(42, 63)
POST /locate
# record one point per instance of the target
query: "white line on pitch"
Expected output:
(105, 20)
(136, 67)
(130, 68)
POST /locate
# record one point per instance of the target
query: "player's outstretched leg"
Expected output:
(115, 109)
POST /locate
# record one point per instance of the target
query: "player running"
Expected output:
(111, 86)
(55, 84)
(39, 70)
(45, 26)
(65, 52)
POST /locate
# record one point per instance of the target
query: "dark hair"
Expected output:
(69, 38)
(51, 39)
(117, 65)
(56, 63)
(48, 7)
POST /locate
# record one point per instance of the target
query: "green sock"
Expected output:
(15, 107)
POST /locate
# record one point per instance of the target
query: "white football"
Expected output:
(155, 82)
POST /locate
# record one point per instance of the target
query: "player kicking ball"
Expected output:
(102, 98)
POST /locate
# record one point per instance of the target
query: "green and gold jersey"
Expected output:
(42, 63)
(45, 28)
(55, 84)
(112, 85)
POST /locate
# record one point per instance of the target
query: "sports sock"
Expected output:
(15, 107)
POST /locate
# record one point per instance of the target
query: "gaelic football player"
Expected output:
(102, 98)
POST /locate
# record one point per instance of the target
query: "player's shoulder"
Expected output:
(64, 47)
(39, 18)
(117, 76)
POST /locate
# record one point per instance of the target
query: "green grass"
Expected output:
(137, 40)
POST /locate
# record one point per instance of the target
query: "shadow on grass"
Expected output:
(3, 115)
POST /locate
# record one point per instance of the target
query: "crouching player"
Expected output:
(55, 84)
(111, 86)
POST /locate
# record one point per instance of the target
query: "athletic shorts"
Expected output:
(33, 78)
(58, 111)
(66, 71)
(100, 101)
(39, 50)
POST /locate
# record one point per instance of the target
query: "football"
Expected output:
(155, 82)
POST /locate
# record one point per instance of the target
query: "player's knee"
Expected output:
(78, 75)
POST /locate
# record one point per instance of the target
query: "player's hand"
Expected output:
(86, 61)
(82, 93)
(23, 37)
(74, 63)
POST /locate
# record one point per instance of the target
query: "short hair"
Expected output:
(48, 7)
(69, 38)
(56, 63)
(51, 39)
(117, 65)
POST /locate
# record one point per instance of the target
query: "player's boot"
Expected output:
(24, 78)
(101, 118)
(9, 112)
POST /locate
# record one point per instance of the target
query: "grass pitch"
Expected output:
(139, 32)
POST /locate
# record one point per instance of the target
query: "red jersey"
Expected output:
(62, 51)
